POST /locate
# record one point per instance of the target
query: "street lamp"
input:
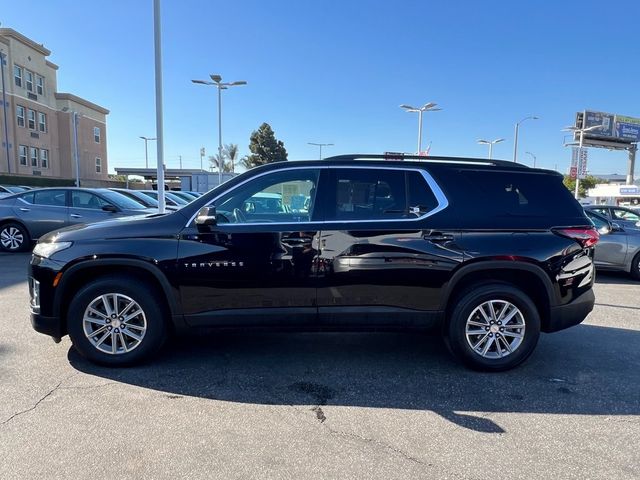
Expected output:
(320, 145)
(146, 152)
(75, 116)
(580, 131)
(491, 143)
(427, 107)
(515, 136)
(217, 82)
(534, 158)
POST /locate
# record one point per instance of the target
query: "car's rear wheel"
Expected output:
(115, 322)
(14, 237)
(635, 267)
(493, 327)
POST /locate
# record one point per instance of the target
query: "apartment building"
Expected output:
(37, 122)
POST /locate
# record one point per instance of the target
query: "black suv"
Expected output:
(489, 252)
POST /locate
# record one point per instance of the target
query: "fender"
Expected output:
(174, 305)
(497, 265)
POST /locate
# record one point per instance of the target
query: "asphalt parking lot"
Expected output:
(260, 405)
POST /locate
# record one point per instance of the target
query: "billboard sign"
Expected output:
(591, 119)
(629, 190)
(615, 128)
(628, 128)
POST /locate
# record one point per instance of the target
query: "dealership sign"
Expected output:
(579, 160)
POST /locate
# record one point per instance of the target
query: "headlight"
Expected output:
(45, 250)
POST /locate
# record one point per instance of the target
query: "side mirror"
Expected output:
(109, 208)
(604, 230)
(206, 217)
(615, 227)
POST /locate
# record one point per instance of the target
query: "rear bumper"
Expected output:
(48, 325)
(565, 316)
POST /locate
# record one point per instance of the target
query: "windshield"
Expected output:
(122, 201)
(146, 199)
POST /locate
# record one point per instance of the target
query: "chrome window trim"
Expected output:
(435, 188)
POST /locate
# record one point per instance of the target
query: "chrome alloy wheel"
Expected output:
(114, 323)
(495, 329)
(11, 238)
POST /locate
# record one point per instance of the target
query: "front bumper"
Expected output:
(51, 326)
(565, 316)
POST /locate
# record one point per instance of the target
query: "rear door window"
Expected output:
(54, 198)
(363, 194)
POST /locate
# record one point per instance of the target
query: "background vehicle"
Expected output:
(623, 216)
(10, 189)
(26, 216)
(618, 248)
(140, 197)
(490, 253)
(169, 199)
(186, 196)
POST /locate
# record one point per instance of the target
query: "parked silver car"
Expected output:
(618, 248)
(26, 216)
(623, 216)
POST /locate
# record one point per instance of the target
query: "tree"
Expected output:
(215, 162)
(231, 152)
(264, 147)
(585, 184)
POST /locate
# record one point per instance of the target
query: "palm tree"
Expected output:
(231, 152)
(215, 162)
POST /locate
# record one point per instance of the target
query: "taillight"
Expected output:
(587, 237)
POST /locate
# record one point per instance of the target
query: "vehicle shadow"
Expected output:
(13, 268)
(587, 370)
(615, 278)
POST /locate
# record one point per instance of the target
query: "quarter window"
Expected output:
(31, 119)
(29, 80)
(22, 155)
(17, 75)
(42, 122)
(40, 84)
(20, 114)
(34, 156)
(96, 134)
(378, 194)
(280, 197)
(98, 165)
(44, 158)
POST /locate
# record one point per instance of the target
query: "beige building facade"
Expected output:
(38, 134)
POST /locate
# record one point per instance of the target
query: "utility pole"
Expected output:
(180, 158)
(631, 165)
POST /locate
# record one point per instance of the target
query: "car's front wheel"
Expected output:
(493, 327)
(117, 321)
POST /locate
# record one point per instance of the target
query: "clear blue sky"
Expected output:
(336, 71)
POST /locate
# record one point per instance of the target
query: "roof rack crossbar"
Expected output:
(403, 156)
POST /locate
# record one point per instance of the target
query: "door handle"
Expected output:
(438, 237)
(22, 209)
(75, 215)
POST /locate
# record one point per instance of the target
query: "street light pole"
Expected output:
(75, 147)
(320, 145)
(157, 41)
(217, 82)
(3, 57)
(491, 143)
(427, 107)
(146, 152)
(534, 158)
(581, 132)
(515, 136)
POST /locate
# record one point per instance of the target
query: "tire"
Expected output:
(520, 332)
(14, 237)
(635, 267)
(136, 339)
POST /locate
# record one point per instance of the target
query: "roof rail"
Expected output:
(420, 158)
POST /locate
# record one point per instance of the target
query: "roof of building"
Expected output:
(81, 101)
(10, 32)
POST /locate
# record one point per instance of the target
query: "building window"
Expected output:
(34, 156)
(44, 158)
(42, 122)
(98, 165)
(22, 155)
(31, 119)
(96, 134)
(29, 80)
(17, 75)
(20, 113)
(39, 84)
